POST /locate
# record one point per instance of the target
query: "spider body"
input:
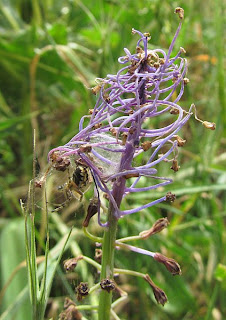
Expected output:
(78, 183)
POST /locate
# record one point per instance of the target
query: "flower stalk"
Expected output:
(107, 268)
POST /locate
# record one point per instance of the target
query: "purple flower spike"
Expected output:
(120, 127)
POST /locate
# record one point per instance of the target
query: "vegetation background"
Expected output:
(50, 52)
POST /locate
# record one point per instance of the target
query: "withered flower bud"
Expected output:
(157, 227)
(171, 265)
(156, 65)
(106, 97)
(180, 12)
(70, 264)
(68, 302)
(59, 162)
(180, 142)
(182, 50)
(146, 145)
(175, 166)
(131, 175)
(96, 89)
(146, 34)
(92, 210)
(174, 111)
(170, 197)
(162, 61)
(107, 284)
(86, 148)
(82, 290)
(124, 137)
(159, 294)
(186, 81)
(139, 49)
(98, 255)
(176, 78)
(113, 131)
(97, 125)
(70, 312)
(209, 125)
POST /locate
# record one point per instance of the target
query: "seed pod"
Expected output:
(209, 125)
(92, 210)
(159, 294)
(157, 227)
(171, 265)
(70, 264)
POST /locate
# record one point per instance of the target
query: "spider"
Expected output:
(77, 184)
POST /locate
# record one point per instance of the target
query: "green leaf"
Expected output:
(220, 272)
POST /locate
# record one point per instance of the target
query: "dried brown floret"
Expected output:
(170, 197)
(171, 265)
(146, 145)
(180, 142)
(180, 12)
(98, 255)
(159, 294)
(85, 148)
(175, 166)
(107, 284)
(158, 226)
(91, 211)
(70, 264)
(174, 111)
(209, 125)
(82, 290)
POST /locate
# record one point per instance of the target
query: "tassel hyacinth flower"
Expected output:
(117, 131)
(113, 138)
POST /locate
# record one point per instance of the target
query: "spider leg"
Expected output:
(73, 187)
(69, 196)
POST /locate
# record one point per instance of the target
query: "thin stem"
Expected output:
(107, 270)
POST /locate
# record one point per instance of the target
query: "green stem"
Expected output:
(107, 267)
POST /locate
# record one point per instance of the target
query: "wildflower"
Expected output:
(111, 141)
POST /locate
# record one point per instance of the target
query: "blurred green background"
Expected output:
(51, 51)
